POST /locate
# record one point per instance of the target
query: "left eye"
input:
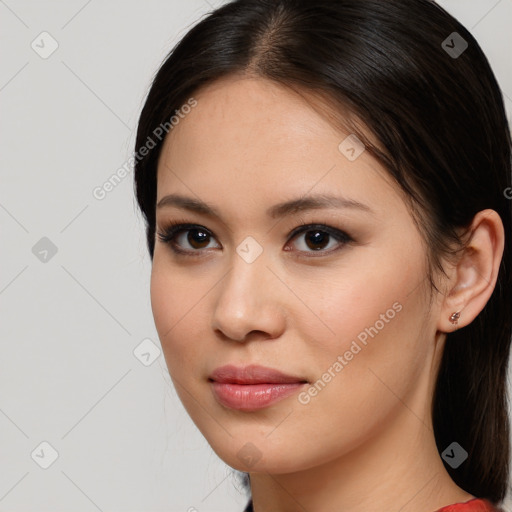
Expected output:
(317, 237)
(316, 240)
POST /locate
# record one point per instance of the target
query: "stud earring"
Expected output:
(454, 318)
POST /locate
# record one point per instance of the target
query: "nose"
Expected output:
(250, 302)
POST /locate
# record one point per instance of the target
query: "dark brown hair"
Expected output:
(441, 132)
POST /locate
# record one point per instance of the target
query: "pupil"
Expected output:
(198, 238)
(318, 237)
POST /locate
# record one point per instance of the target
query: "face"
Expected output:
(333, 295)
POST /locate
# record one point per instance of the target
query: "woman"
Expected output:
(324, 186)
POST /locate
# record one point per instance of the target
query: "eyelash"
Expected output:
(173, 228)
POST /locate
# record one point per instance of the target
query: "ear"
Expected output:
(474, 277)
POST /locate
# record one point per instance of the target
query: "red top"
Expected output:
(474, 505)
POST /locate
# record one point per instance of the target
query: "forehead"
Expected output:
(238, 115)
(254, 137)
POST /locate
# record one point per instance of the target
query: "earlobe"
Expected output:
(454, 317)
(474, 278)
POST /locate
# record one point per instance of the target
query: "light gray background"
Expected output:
(69, 325)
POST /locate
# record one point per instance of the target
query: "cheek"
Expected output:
(350, 399)
(176, 309)
(361, 302)
(371, 327)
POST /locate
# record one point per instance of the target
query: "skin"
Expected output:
(365, 441)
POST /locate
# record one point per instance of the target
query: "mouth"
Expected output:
(252, 387)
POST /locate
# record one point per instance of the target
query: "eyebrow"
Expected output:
(278, 210)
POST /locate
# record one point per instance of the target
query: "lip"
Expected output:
(252, 387)
(252, 374)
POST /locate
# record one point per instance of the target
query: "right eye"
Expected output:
(173, 235)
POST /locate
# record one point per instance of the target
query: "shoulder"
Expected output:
(474, 505)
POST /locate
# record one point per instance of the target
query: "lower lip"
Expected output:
(250, 397)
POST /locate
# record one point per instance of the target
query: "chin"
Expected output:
(260, 455)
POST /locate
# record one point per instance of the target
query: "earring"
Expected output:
(455, 317)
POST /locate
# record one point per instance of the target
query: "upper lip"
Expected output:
(252, 374)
